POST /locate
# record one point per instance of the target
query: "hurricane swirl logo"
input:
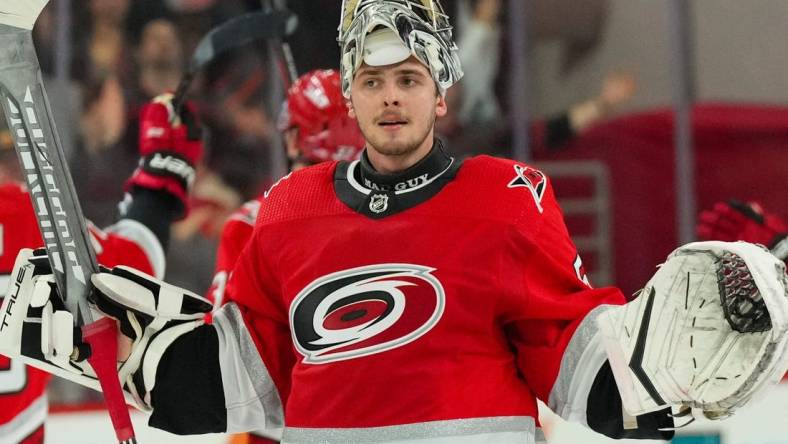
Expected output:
(364, 311)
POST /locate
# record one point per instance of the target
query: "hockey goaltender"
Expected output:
(437, 311)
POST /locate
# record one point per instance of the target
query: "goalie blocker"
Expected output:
(36, 327)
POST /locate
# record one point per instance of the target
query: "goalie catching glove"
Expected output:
(36, 327)
(708, 331)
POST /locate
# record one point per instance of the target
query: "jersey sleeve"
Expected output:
(260, 312)
(232, 375)
(554, 333)
(126, 247)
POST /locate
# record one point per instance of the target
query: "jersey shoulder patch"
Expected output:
(508, 182)
(531, 179)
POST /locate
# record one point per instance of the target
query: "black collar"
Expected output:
(378, 195)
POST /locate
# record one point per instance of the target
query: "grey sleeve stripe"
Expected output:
(251, 397)
(26, 422)
(582, 359)
(499, 430)
(144, 237)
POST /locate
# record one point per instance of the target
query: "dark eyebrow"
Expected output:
(401, 72)
(369, 72)
(410, 72)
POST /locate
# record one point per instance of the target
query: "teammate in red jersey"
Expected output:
(23, 405)
(735, 220)
(137, 240)
(409, 296)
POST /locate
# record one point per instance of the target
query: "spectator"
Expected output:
(478, 123)
(103, 74)
(480, 52)
(548, 134)
(159, 57)
(111, 124)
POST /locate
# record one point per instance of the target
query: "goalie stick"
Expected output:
(236, 32)
(287, 68)
(280, 54)
(51, 189)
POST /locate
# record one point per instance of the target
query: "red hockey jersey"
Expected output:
(437, 308)
(23, 405)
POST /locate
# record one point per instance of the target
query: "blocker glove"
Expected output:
(35, 326)
(170, 146)
(748, 222)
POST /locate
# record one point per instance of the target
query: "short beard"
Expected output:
(400, 148)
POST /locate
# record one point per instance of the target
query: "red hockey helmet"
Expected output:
(316, 107)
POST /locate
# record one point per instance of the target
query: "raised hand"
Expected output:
(170, 147)
(749, 222)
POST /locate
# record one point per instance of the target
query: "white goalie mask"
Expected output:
(421, 28)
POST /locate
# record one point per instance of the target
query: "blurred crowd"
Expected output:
(124, 52)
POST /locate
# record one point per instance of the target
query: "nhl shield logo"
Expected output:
(379, 203)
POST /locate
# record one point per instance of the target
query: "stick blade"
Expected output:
(21, 13)
(240, 31)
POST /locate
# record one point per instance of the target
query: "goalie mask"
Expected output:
(385, 32)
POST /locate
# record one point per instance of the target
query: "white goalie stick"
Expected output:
(51, 189)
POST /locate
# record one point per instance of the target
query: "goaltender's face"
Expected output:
(396, 107)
